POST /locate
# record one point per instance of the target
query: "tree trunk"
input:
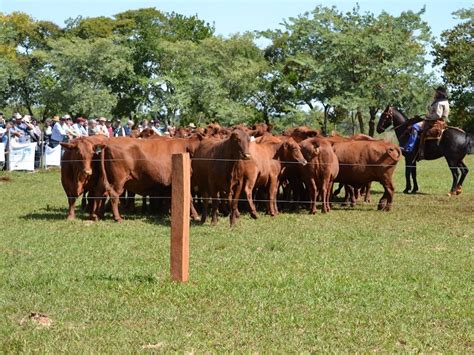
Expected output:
(353, 122)
(373, 111)
(361, 121)
(325, 124)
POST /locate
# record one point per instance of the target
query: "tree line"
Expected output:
(324, 67)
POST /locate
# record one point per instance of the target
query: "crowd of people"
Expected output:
(27, 129)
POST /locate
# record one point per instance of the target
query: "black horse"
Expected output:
(453, 145)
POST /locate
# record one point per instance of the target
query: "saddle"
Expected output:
(435, 129)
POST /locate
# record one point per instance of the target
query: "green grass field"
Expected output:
(352, 280)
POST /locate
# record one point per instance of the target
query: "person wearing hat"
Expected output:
(102, 128)
(438, 113)
(79, 128)
(60, 131)
(128, 128)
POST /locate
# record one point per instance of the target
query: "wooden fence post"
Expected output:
(180, 207)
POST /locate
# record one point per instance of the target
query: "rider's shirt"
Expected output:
(439, 109)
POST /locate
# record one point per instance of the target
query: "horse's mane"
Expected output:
(408, 121)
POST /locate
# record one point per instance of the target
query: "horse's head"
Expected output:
(386, 119)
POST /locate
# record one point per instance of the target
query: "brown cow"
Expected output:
(321, 171)
(269, 155)
(212, 167)
(140, 166)
(79, 173)
(301, 133)
(362, 161)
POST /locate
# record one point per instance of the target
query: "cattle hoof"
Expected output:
(451, 194)
(406, 191)
(458, 190)
(118, 220)
(71, 217)
(254, 215)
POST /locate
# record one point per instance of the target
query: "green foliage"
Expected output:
(353, 280)
(352, 60)
(456, 56)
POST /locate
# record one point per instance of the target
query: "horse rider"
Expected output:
(437, 114)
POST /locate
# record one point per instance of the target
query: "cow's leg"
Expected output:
(215, 207)
(84, 201)
(313, 194)
(464, 171)
(193, 212)
(368, 197)
(234, 196)
(248, 189)
(272, 194)
(71, 214)
(385, 203)
(205, 207)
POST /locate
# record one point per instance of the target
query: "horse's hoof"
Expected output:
(406, 191)
(413, 192)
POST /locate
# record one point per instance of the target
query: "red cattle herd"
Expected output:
(241, 167)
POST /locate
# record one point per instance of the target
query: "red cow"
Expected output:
(321, 171)
(212, 167)
(262, 170)
(364, 161)
(140, 166)
(79, 172)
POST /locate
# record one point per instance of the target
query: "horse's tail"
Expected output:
(469, 143)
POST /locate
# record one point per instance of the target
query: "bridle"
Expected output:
(389, 115)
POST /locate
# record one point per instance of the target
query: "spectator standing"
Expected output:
(48, 129)
(128, 128)
(157, 128)
(93, 128)
(144, 125)
(79, 127)
(108, 125)
(59, 132)
(119, 131)
(102, 127)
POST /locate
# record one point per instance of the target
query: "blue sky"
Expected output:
(234, 15)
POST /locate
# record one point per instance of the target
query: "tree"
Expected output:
(351, 60)
(456, 56)
(82, 70)
(20, 36)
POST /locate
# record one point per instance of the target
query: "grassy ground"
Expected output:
(353, 280)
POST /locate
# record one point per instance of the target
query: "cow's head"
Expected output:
(80, 153)
(239, 142)
(292, 152)
(386, 120)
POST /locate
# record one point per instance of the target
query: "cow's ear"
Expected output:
(66, 145)
(394, 153)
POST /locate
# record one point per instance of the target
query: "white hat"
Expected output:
(191, 125)
(17, 116)
(66, 117)
(27, 118)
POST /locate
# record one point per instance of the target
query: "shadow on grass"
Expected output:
(140, 279)
(57, 214)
